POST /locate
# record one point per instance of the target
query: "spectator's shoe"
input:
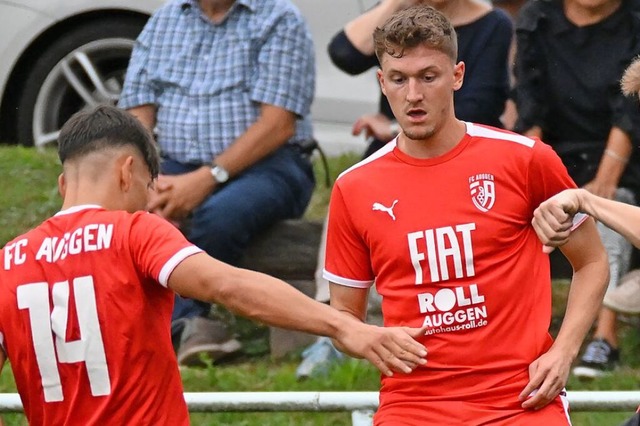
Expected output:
(204, 338)
(599, 359)
(625, 298)
(317, 359)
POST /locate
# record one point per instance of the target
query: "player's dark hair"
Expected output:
(412, 27)
(105, 127)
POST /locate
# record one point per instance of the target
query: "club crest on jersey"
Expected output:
(483, 191)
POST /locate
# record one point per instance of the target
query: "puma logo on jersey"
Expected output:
(383, 208)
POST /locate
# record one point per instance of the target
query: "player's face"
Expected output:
(420, 87)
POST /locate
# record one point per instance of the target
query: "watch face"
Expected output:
(220, 174)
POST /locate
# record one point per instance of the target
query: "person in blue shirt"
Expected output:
(227, 86)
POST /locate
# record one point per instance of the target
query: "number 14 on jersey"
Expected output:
(49, 325)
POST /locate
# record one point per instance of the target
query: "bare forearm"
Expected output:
(622, 218)
(267, 299)
(588, 258)
(254, 295)
(274, 302)
(350, 301)
(583, 304)
(272, 130)
(360, 30)
(615, 157)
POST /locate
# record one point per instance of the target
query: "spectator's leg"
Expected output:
(275, 189)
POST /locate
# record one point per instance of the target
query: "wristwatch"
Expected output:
(219, 173)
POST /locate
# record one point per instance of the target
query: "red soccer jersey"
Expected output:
(450, 246)
(85, 314)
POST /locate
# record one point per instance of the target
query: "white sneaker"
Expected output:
(625, 298)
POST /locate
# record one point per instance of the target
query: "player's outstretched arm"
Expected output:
(548, 374)
(553, 218)
(261, 297)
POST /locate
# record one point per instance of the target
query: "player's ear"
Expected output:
(62, 185)
(458, 75)
(380, 76)
(126, 173)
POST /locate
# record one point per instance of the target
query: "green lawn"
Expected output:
(30, 194)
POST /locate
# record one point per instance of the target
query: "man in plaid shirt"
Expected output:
(227, 85)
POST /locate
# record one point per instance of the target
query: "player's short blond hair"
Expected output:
(413, 27)
(630, 82)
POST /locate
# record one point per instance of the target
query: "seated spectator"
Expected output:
(228, 87)
(570, 57)
(484, 40)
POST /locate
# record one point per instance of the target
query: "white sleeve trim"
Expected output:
(578, 219)
(174, 261)
(2, 343)
(346, 281)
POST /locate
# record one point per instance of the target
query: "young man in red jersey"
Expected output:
(440, 220)
(86, 297)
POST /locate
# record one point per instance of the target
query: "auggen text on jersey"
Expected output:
(92, 237)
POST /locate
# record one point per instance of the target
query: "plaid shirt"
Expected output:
(208, 80)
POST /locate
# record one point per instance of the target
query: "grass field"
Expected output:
(30, 194)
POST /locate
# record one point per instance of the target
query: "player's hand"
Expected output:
(377, 126)
(178, 195)
(388, 348)
(553, 219)
(548, 376)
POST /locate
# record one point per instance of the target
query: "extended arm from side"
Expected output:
(553, 219)
(267, 299)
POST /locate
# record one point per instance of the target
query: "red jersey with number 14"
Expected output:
(450, 245)
(85, 318)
